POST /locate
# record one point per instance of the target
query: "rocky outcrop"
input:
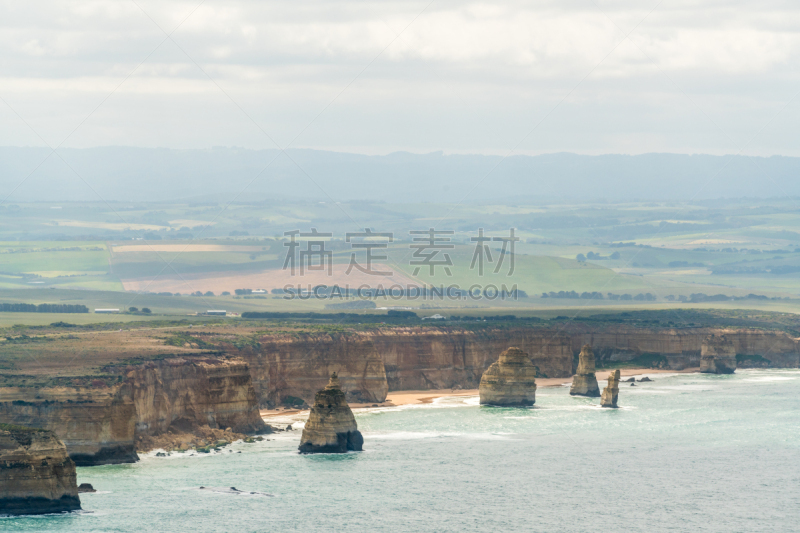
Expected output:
(370, 363)
(85, 487)
(211, 382)
(102, 423)
(287, 368)
(585, 382)
(96, 423)
(717, 355)
(36, 474)
(443, 358)
(331, 426)
(510, 381)
(292, 367)
(185, 393)
(681, 347)
(611, 392)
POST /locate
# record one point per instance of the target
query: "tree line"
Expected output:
(43, 308)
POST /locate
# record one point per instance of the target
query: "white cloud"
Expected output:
(457, 75)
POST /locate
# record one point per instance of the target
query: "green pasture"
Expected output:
(533, 273)
(552, 236)
(37, 261)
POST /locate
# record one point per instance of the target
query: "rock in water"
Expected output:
(717, 355)
(510, 381)
(585, 382)
(36, 474)
(331, 426)
(611, 392)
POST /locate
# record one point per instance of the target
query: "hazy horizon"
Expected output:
(227, 174)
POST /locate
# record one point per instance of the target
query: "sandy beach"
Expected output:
(408, 397)
(427, 396)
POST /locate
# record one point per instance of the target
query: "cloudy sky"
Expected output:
(589, 76)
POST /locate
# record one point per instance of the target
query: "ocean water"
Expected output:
(687, 452)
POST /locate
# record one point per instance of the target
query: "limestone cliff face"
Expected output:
(682, 346)
(717, 355)
(611, 392)
(331, 426)
(98, 420)
(100, 424)
(373, 362)
(185, 393)
(298, 366)
(440, 358)
(585, 382)
(369, 364)
(510, 381)
(95, 424)
(36, 474)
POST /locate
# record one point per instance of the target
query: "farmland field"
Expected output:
(655, 255)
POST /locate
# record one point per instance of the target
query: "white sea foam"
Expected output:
(412, 435)
(420, 435)
(769, 378)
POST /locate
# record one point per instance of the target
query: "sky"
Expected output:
(589, 77)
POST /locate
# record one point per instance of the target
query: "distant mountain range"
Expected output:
(222, 174)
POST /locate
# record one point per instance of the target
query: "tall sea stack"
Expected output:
(331, 426)
(585, 382)
(510, 381)
(611, 392)
(36, 474)
(717, 355)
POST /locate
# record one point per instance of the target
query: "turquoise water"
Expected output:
(687, 452)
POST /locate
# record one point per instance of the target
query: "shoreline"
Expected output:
(411, 397)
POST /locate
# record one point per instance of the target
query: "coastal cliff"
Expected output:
(331, 426)
(132, 384)
(717, 355)
(287, 368)
(510, 381)
(96, 423)
(185, 393)
(585, 382)
(36, 474)
(101, 423)
(681, 348)
(440, 358)
(293, 367)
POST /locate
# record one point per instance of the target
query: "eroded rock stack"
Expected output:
(331, 426)
(611, 392)
(36, 474)
(585, 382)
(509, 381)
(717, 355)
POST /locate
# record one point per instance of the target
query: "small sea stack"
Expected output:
(36, 474)
(331, 426)
(585, 382)
(510, 381)
(717, 355)
(611, 392)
